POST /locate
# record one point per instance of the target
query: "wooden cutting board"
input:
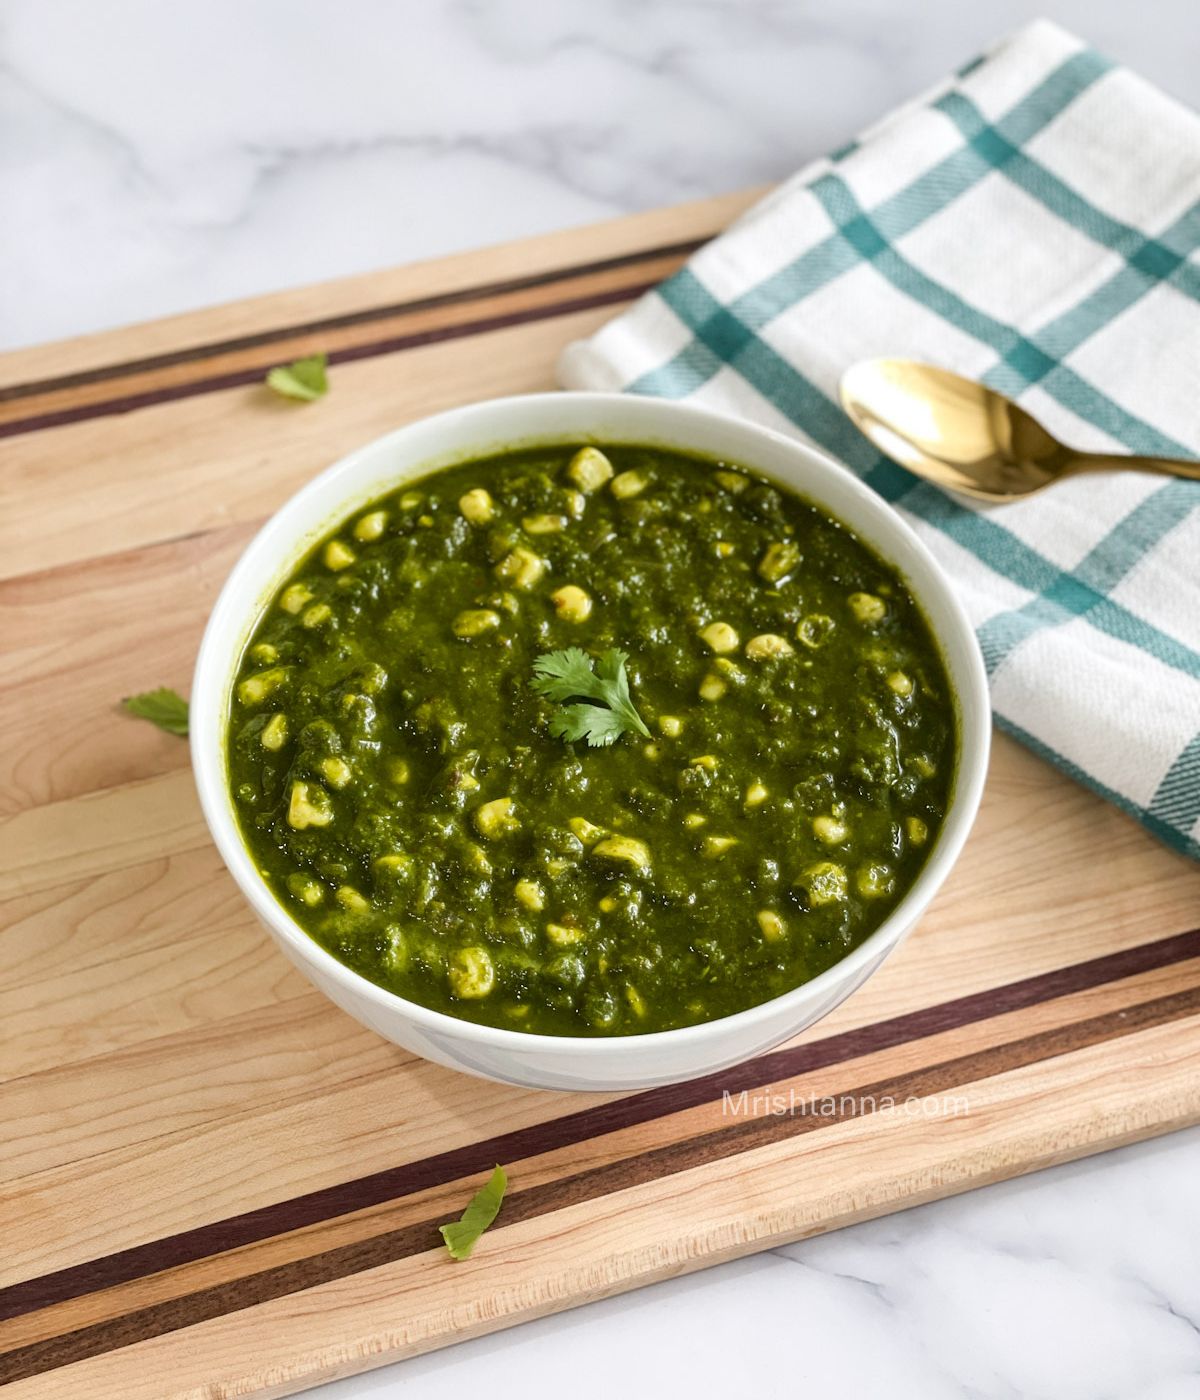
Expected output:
(213, 1183)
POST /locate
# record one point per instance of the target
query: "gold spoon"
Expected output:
(967, 437)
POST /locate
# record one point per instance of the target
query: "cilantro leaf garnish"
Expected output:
(302, 379)
(596, 704)
(598, 726)
(162, 707)
(461, 1235)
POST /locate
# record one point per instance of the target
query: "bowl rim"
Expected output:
(960, 654)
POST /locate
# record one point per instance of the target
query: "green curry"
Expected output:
(421, 809)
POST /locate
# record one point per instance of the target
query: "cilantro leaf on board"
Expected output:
(303, 379)
(462, 1235)
(162, 707)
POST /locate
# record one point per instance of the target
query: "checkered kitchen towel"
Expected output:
(1034, 223)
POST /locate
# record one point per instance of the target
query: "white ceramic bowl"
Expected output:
(561, 1062)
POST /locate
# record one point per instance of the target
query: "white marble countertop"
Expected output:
(159, 157)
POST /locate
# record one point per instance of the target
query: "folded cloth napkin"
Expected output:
(1033, 222)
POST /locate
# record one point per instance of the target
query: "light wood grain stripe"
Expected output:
(1046, 1113)
(670, 254)
(152, 380)
(444, 1201)
(538, 1138)
(675, 1157)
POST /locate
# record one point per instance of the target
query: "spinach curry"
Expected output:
(410, 798)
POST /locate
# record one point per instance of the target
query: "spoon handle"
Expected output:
(1116, 461)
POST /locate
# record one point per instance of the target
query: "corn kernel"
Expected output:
(338, 555)
(637, 1003)
(255, 689)
(295, 598)
(814, 630)
(544, 524)
(720, 637)
(496, 818)
(564, 935)
(625, 849)
(476, 506)
(712, 687)
(823, 883)
(304, 888)
(522, 568)
(275, 733)
(589, 469)
(772, 926)
(371, 526)
(571, 603)
(471, 975)
(874, 881)
(778, 561)
(350, 899)
(474, 622)
(830, 830)
(628, 484)
(530, 895)
(316, 616)
(336, 771)
(309, 805)
(767, 646)
(867, 608)
(585, 831)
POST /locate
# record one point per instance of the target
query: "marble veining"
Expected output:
(155, 158)
(159, 157)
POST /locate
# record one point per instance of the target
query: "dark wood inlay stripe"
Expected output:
(214, 383)
(211, 350)
(744, 1136)
(394, 1183)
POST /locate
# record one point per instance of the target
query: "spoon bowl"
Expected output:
(965, 437)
